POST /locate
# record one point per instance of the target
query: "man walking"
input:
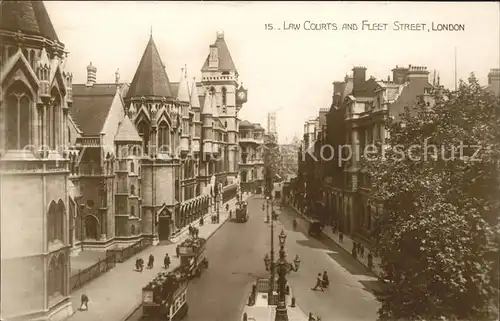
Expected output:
(166, 261)
(319, 280)
(85, 302)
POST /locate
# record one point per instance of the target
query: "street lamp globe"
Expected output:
(282, 237)
(296, 262)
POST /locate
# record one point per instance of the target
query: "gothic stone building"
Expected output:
(152, 154)
(34, 165)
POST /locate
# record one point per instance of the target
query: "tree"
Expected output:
(438, 234)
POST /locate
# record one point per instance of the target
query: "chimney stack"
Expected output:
(359, 77)
(91, 74)
(399, 75)
(117, 76)
(418, 75)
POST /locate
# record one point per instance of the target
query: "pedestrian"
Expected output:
(370, 261)
(341, 237)
(141, 265)
(151, 261)
(325, 280)
(319, 280)
(177, 250)
(84, 302)
(166, 261)
(196, 232)
(361, 250)
(137, 264)
(227, 207)
(354, 250)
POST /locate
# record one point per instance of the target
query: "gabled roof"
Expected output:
(366, 89)
(150, 79)
(127, 131)
(225, 61)
(91, 106)
(31, 17)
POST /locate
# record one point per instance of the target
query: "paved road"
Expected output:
(349, 296)
(235, 255)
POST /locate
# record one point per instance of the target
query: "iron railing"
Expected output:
(125, 253)
(88, 274)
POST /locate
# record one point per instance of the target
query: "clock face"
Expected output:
(241, 95)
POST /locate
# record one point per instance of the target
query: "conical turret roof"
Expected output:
(31, 17)
(127, 131)
(195, 100)
(183, 90)
(150, 79)
(207, 106)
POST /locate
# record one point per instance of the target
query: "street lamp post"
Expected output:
(271, 282)
(283, 268)
(281, 311)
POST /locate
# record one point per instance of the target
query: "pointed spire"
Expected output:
(207, 105)
(183, 91)
(186, 71)
(150, 79)
(194, 99)
(434, 80)
(151, 31)
(439, 80)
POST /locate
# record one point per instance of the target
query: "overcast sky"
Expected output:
(288, 70)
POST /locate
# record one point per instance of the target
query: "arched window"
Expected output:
(18, 118)
(55, 221)
(132, 229)
(32, 59)
(55, 111)
(132, 210)
(143, 130)
(224, 96)
(244, 176)
(132, 189)
(57, 275)
(163, 138)
(212, 91)
(132, 167)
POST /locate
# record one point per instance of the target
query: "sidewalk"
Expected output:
(117, 294)
(346, 245)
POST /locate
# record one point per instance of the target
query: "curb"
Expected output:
(138, 306)
(334, 241)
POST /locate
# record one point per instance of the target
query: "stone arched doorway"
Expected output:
(164, 227)
(91, 227)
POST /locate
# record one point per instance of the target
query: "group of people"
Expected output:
(139, 263)
(322, 282)
(193, 231)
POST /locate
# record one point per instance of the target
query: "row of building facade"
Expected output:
(100, 165)
(338, 192)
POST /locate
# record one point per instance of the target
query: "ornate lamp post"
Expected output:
(284, 267)
(281, 311)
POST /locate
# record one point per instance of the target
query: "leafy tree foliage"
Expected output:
(438, 235)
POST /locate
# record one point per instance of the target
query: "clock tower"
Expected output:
(220, 78)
